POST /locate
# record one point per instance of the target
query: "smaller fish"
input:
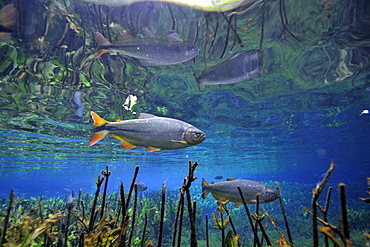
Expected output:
(240, 67)
(70, 199)
(219, 177)
(141, 186)
(130, 102)
(228, 191)
(364, 112)
(8, 18)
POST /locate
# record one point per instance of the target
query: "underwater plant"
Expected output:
(125, 219)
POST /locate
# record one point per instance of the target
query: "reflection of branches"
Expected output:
(284, 21)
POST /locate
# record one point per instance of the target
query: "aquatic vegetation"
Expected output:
(124, 219)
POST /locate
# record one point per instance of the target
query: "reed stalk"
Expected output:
(106, 174)
(256, 239)
(343, 208)
(284, 214)
(315, 195)
(161, 222)
(133, 217)
(144, 230)
(132, 186)
(92, 213)
(6, 220)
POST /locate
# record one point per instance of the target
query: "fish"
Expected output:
(151, 52)
(70, 199)
(241, 67)
(141, 186)
(219, 177)
(130, 102)
(150, 131)
(8, 18)
(227, 191)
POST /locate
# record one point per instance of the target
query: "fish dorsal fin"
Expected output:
(172, 36)
(100, 39)
(98, 121)
(231, 179)
(146, 115)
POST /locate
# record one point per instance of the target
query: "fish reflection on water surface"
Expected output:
(8, 18)
(151, 52)
(152, 132)
(240, 67)
(228, 191)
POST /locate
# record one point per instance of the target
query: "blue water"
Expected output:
(276, 154)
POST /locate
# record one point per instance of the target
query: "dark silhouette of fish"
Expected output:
(149, 131)
(227, 191)
(141, 186)
(219, 177)
(151, 52)
(240, 67)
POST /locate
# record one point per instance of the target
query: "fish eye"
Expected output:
(198, 134)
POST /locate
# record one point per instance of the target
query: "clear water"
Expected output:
(285, 125)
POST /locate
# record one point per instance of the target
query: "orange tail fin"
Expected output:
(98, 121)
(97, 136)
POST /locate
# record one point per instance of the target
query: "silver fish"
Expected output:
(240, 67)
(151, 52)
(149, 131)
(227, 191)
(141, 186)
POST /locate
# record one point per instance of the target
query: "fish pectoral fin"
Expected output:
(153, 149)
(219, 198)
(97, 136)
(174, 37)
(124, 143)
(179, 142)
